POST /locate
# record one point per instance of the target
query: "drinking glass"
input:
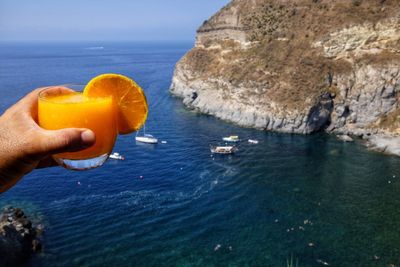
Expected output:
(59, 108)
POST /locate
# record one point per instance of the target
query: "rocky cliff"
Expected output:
(299, 66)
(18, 237)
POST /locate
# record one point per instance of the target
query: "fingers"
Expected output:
(31, 98)
(56, 141)
(29, 102)
(65, 140)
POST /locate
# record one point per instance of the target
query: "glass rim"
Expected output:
(43, 97)
(79, 88)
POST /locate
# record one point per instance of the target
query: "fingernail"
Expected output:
(87, 138)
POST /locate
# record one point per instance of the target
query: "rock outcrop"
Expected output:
(298, 66)
(18, 238)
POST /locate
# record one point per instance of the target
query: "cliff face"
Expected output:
(298, 66)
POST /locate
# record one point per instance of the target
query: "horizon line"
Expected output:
(101, 41)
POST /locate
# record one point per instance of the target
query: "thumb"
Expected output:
(65, 140)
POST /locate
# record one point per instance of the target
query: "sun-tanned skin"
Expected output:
(24, 146)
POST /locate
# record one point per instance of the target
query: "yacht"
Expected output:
(146, 138)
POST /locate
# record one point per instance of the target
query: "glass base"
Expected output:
(82, 164)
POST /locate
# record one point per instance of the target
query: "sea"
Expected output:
(290, 200)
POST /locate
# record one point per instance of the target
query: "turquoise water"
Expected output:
(311, 198)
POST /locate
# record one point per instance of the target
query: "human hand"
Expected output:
(24, 145)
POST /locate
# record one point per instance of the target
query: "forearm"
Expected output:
(13, 164)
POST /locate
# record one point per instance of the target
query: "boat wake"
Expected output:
(138, 200)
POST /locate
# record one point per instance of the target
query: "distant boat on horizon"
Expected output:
(95, 48)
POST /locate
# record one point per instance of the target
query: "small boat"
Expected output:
(117, 156)
(146, 138)
(223, 149)
(232, 138)
(253, 141)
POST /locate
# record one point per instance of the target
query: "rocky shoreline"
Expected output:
(19, 238)
(300, 67)
(384, 143)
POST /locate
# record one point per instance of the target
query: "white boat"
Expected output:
(223, 149)
(253, 141)
(232, 138)
(116, 155)
(146, 138)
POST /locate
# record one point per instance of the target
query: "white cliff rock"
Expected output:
(298, 67)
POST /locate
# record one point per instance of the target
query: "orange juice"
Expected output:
(73, 110)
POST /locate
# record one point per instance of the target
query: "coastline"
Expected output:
(343, 78)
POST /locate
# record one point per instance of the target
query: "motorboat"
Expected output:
(223, 149)
(146, 138)
(232, 138)
(117, 156)
(253, 141)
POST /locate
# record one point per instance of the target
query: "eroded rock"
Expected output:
(18, 238)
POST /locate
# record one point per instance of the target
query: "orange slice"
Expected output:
(131, 101)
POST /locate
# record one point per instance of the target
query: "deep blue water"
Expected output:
(311, 198)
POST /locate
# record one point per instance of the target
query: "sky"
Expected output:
(101, 20)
